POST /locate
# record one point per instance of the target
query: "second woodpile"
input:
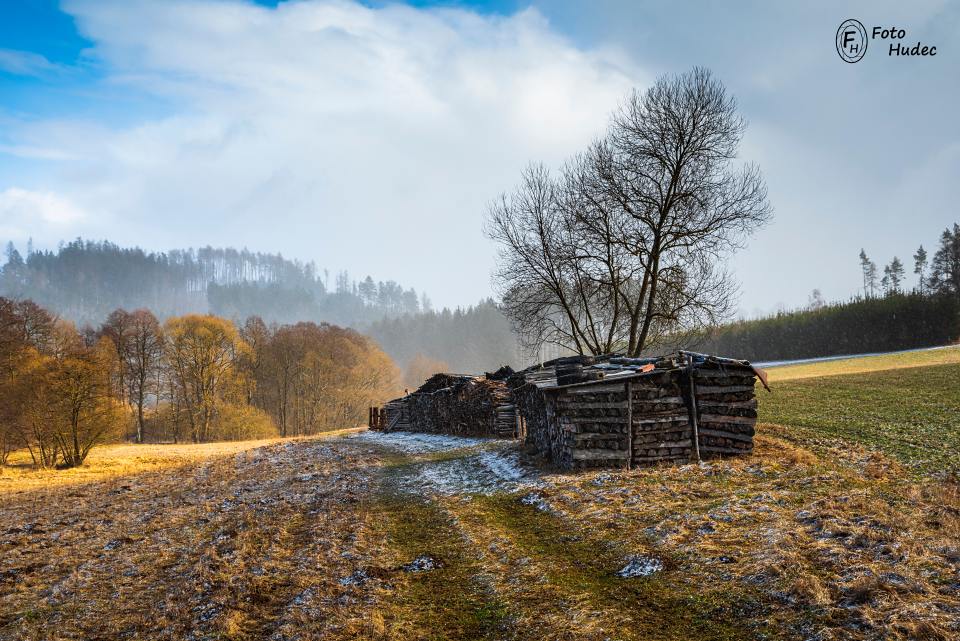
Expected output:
(456, 404)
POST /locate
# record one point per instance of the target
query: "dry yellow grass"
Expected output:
(234, 543)
(123, 459)
(838, 541)
(942, 356)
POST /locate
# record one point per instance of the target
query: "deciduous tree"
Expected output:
(143, 362)
(203, 355)
(626, 249)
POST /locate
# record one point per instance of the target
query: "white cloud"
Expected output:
(324, 129)
(25, 63)
(25, 213)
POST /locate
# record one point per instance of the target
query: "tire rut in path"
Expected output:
(456, 599)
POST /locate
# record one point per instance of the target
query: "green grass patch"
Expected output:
(912, 414)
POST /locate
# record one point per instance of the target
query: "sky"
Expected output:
(372, 136)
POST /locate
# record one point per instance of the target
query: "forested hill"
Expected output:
(86, 280)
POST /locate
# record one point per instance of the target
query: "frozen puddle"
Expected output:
(483, 472)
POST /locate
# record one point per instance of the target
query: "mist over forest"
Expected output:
(85, 280)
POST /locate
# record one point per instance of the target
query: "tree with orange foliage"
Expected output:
(65, 403)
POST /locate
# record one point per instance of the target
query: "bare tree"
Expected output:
(626, 250)
(143, 361)
(543, 278)
(117, 329)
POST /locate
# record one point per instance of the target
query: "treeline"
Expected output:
(886, 317)
(862, 325)
(85, 280)
(193, 378)
(471, 340)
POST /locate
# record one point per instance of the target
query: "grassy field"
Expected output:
(906, 405)
(122, 459)
(903, 360)
(842, 525)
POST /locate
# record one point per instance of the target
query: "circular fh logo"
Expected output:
(851, 40)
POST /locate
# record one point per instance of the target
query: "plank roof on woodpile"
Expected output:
(590, 370)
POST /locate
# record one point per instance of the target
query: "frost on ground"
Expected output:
(469, 475)
(536, 500)
(496, 467)
(423, 563)
(415, 443)
(640, 566)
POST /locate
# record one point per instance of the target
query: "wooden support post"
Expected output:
(693, 409)
(629, 389)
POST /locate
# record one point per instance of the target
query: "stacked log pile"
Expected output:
(460, 405)
(396, 417)
(660, 418)
(625, 412)
(597, 412)
(591, 427)
(726, 408)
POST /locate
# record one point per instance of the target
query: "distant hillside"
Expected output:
(86, 280)
(471, 340)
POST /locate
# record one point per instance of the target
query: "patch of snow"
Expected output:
(638, 566)
(492, 467)
(536, 500)
(422, 563)
(602, 479)
(505, 466)
(418, 443)
(483, 473)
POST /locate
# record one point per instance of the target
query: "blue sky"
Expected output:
(298, 127)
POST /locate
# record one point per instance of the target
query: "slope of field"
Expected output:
(906, 405)
(413, 537)
(862, 364)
